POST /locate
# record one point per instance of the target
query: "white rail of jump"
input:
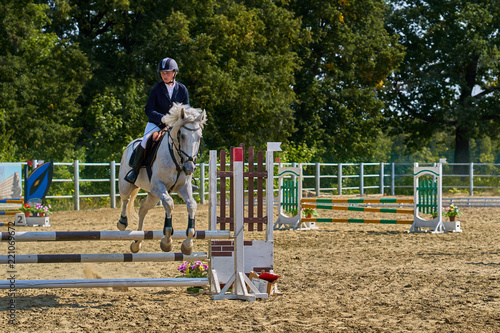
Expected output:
(104, 283)
(100, 257)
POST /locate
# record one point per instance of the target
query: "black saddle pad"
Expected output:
(152, 146)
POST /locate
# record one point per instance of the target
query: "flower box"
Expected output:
(452, 226)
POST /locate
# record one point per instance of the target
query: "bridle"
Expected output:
(184, 157)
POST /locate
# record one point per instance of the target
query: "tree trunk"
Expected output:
(462, 154)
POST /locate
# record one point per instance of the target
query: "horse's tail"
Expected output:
(131, 212)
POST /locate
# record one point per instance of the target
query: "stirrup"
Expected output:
(131, 176)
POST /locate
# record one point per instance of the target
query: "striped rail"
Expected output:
(9, 212)
(105, 283)
(100, 257)
(30, 236)
(377, 221)
(361, 209)
(356, 201)
(11, 201)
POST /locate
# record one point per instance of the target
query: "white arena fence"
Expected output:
(319, 178)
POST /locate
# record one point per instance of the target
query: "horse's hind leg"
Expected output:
(123, 221)
(149, 202)
(127, 195)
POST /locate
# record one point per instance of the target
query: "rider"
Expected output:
(161, 99)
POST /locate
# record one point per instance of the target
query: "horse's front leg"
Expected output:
(186, 193)
(149, 202)
(168, 204)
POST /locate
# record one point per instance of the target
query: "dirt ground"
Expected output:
(340, 278)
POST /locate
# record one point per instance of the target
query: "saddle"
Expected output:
(151, 150)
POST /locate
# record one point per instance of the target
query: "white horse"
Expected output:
(171, 172)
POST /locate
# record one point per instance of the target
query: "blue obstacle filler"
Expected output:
(35, 189)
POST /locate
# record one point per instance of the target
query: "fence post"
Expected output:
(382, 178)
(471, 180)
(202, 183)
(361, 179)
(112, 180)
(340, 179)
(318, 184)
(393, 180)
(76, 177)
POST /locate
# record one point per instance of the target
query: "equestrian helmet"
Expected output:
(168, 64)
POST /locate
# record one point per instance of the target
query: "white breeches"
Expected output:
(150, 128)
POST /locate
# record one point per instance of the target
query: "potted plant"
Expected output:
(42, 210)
(27, 209)
(195, 269)
(451, 211)
(309, 212)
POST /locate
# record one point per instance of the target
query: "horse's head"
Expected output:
(187, 133)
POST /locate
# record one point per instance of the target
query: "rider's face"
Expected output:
(168, 77)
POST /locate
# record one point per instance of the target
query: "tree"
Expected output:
(237, 59)
(346, 59)
(449, 79)
(41, 78)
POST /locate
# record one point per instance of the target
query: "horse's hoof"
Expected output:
(121, 226)
(122, 223)
(187, 247)
(135, 246)
(166, 246)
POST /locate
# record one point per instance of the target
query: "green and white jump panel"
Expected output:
(290, 197)
(427, 197)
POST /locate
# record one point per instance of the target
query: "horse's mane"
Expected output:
(191, 113)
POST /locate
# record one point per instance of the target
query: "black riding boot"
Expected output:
(131, 176)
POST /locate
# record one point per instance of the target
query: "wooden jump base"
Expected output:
(377, 221)
(106, 257)
(105, 283)
(361, 209)
(48, 236)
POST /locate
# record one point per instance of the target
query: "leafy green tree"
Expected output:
(40, 81)
(237, 59)
(449, 79)
(346, 59)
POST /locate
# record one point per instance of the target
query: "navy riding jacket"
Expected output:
(159, 103)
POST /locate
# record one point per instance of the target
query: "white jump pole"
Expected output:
(104, 283)
(100, 257)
